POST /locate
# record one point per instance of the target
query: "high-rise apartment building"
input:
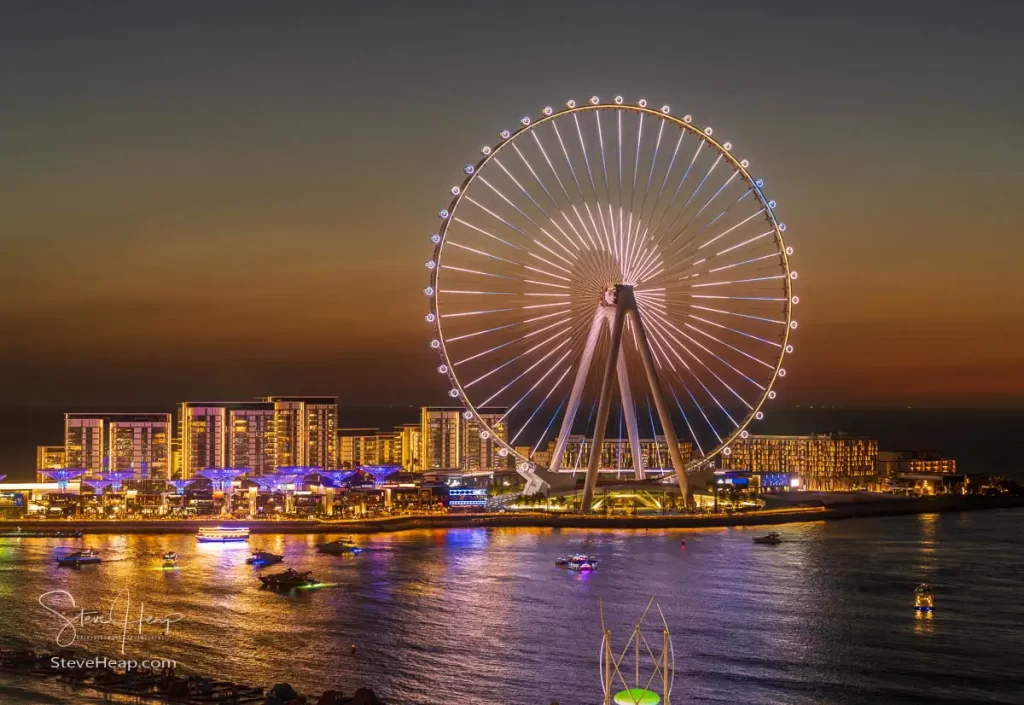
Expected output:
(83, 443)
(825, 462)
(202, 430)
(250, 437)
(479, 453)
(448, 440)
(357, 446)
(48, 458)
(411, 435)
(305, 431)
(440, 436)
(227, 435)
(99, 442)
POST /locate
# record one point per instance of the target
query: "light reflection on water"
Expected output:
(484, 616)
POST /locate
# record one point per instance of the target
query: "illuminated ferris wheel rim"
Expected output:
(548, 114)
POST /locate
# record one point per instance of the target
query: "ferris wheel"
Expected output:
(610, 286)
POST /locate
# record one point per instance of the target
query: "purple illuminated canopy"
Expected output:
(180, 484)
(334, 478)
(117, 477)
(62, 476)
(276, 481)
(98, 486)
(380, 472)
(222, 477)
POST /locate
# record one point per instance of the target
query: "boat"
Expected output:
(345, 545)
(771, 539)
(84, 556)
(288, 579)
(578, 561)
(41, 533)
(261, 557)
(924, 600)
(170, 559)
(222, 534)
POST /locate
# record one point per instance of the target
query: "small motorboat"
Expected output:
(84, 556)
(289, 579)
(344, 545)
(771, 539)
(924, 600)
(578, 562)
(261, 557)
(170, 559)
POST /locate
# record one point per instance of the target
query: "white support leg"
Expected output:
(577, 390)
(659, 402)
(629, 414)
(605, 400)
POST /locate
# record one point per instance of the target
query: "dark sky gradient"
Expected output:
(212, 200)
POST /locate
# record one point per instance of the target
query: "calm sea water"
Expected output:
(483, 616)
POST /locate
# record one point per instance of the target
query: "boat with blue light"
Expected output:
(924, 600)
(222, 534)
(289, 579)
(170, 559)
(338, 546)
(580, 562)
(261, 557)
(76, 559)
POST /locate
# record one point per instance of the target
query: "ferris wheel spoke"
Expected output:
(747, 261)
(708, 226)
(686, 420)
(738, 281)
(721, 188)
(548, 427)
(551, 166)
(488, 234)
(697, 377)
(636, 161)
(675, 194)
(543, 377)
(519, 357)
(741, 315)
(514, 341)
(710, 352)
(541, 404)
(734, 330)
(696, 438)
(772, 299)
(731, 347)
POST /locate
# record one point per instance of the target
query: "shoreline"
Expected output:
(881, 508)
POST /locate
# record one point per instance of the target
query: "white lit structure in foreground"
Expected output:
(611, 270)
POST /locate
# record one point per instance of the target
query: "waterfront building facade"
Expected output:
(411, 434)
(616, 454)
(356, 446)
(49, 458)
(83, 443)
(305, 431)
(250, 438)
(440, 435)
(100, 442)
(479, 453)
(824, 462)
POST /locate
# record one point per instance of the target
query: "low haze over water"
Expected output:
(483, 616)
